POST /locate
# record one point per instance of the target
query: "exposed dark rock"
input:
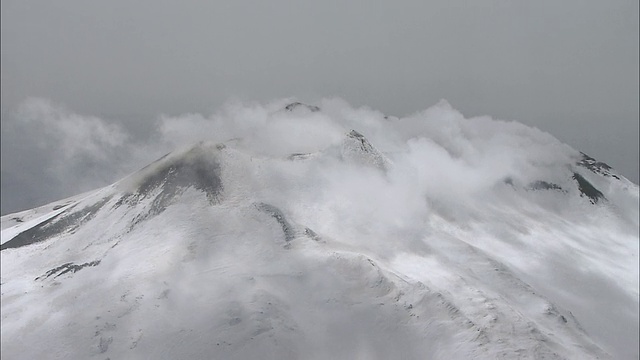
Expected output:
(198, 168)
(586, 189)
(364, 143)
(596, 166)
(297, 105)
(544, 185)
(66, 268)
(289, 233)
(67, 221)
(312, 234)
(357, 147)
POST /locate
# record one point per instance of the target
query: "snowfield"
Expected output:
(301, 232)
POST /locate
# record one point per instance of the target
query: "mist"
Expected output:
(56, 153)
(569, 69)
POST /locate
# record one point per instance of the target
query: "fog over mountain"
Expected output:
(570, 68)
(315, 231)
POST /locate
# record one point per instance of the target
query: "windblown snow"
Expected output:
(291, 231)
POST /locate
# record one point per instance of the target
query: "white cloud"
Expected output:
(448, 156)
(73, 135)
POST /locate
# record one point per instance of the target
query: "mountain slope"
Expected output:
(427, 246)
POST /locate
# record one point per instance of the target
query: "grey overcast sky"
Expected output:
(567, 67)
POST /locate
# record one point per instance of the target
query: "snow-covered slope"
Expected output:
(426, 237)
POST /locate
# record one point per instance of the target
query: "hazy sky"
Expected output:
(567, 67)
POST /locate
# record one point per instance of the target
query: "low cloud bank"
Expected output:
(50, 152)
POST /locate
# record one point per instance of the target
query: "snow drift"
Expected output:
(298, 231)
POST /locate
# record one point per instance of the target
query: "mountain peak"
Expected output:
(596, 167)
(428, 237)
(298, 105)
(196, 167)
(357, 148)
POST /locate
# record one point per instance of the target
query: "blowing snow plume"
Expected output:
(298, 231)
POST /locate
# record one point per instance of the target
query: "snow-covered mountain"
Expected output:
(371, 237)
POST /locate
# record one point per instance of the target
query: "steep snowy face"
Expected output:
(327, 232)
